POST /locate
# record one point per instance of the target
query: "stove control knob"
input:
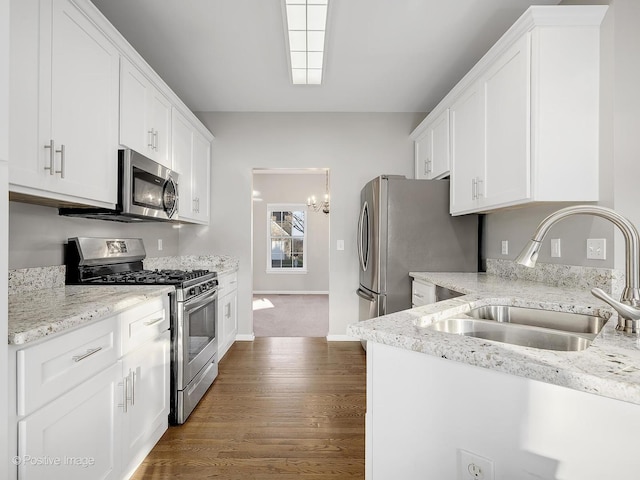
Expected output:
(192, 291)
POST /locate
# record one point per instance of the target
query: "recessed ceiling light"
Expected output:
(306, 22)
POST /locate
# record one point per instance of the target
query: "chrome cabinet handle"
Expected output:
(418, 295)
(125, 390)
(150, 142)
(52, 154)
(88, 353)
(133, 388)
(155, 140)
(62, 161)
(427, 167)
(479, 183)
(474, 188)
(153, 322)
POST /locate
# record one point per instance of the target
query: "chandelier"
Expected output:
(324, 205)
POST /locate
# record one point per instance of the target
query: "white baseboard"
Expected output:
(342, 338)
(290, 292)
(245, 337)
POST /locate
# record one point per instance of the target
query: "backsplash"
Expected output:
(38, 278)
(216, 263)
(610, 280)
(28, 279)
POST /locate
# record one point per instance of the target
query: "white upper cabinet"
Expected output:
(192, 161)
(432, 147)
(64, 105)
(145, 115)
(524, 122)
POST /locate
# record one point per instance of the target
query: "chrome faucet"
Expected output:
(628, 307)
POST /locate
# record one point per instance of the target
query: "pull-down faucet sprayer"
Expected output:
(628, 307)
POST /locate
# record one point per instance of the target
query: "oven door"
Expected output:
(196, 341)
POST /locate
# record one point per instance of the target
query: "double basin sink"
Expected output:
(528, 327)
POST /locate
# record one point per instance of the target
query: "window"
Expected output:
(286, 238)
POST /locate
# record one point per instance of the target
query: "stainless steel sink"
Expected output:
(563, 321)
(526, 327)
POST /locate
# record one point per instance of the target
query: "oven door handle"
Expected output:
(197, 302)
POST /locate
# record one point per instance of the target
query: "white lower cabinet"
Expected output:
(227, 312)
(87, 408)
(74, 437)
(145, 375)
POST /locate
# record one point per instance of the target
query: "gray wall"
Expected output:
(290, 188)
(37, 235)
(356, 147)
(619, 155)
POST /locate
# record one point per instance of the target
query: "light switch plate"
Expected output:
(505, 247)
(340, 245)
(555, 247)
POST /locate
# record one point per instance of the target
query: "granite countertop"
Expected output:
(41, 305)
(609, 367)
(39, 313)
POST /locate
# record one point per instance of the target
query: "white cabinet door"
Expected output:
(160, 113)
(467, 150)
(439, 166)
(182, 153)
(201, 176)
(423, 155)
(75, 434)
(227, 312)
(134, 87)
(432, 149)
(192, 161)
(507, 176)
(146, 375)
(145, 115)
(68, 138)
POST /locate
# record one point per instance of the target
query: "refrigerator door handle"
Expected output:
(361, 254)
(365, 295)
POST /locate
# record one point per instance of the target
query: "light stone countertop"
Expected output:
(609, 367)
(39, 313)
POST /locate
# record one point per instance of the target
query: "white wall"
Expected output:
(355, 147)
(5, 455)
(619, 153)
(280, 187)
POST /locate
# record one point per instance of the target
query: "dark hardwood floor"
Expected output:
(280, 408)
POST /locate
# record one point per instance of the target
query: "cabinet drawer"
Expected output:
(49, 369)
(227, 283)
(422, 293)
(143, 323)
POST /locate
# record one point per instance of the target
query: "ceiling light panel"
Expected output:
(306, 22)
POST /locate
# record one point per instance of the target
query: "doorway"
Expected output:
(290, 246)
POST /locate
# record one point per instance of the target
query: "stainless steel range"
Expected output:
(194, 346)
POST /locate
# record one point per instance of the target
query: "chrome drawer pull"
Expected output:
(52, 153)
(88, 353)
(418, 295)
(153, 322)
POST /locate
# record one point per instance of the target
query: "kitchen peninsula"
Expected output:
(534, 413)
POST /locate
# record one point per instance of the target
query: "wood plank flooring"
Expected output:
(280, 408)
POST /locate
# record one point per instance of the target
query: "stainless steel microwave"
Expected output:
(146, 191)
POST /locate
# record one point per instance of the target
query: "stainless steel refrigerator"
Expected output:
(405, 226)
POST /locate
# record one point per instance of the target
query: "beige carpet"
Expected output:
(291, 315)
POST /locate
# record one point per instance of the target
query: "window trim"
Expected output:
(278, 207)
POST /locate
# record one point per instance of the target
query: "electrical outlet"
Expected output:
(597, 248)
(555, 247)
(505, 247)
(474, 467)
(159, 244)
